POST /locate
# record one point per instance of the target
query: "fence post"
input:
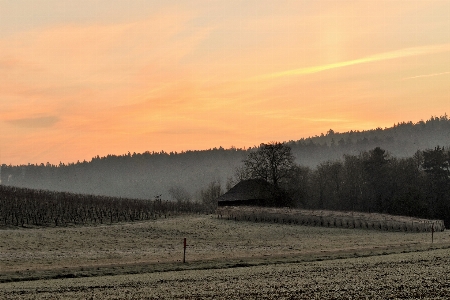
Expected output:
(432, 232)
(184, 251)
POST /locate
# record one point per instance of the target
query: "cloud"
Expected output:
(193, 130)
(34, 122)
(61, 59)
(8, 62)
(328, 120)
(407, 52)
(98, 76)
(426, 75)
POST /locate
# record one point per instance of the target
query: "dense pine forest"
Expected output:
(150, 174)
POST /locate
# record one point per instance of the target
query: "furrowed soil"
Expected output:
(224, 260)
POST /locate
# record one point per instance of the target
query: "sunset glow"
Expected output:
(87, 78)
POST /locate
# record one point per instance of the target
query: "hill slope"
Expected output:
(146, 175)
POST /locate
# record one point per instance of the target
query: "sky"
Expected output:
(95, 77)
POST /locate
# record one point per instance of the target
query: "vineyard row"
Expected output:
(324, 218)
(27, 207)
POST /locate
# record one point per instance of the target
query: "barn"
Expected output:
(251, 192)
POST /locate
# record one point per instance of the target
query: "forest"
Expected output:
(375, 181)
(150, 174)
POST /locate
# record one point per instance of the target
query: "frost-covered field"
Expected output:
(419, 275)
(279, 258)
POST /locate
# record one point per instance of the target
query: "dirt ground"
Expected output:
(417, 275)
(218, 244)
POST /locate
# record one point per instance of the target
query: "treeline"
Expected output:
(133, 175)
(27, 207)
(401, 140)
(145, 175)
(375, 181)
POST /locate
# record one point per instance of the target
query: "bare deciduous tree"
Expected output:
(180, 194)
(271, 162)
(210, 194)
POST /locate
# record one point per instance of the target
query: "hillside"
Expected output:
(29, 208)
(401, 140)
(150, 174)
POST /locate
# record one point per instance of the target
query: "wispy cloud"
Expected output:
(34, 122)
(426, 75)
(407, 52)
(326, 120)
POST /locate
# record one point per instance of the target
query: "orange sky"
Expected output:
(86, 78)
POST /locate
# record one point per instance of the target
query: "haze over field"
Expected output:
(81, 79)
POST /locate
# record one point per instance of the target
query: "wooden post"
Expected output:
(184, 251)
(432, 232)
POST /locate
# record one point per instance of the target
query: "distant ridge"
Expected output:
(145, 175)
(401, 140)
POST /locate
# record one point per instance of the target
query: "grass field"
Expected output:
(224, 259)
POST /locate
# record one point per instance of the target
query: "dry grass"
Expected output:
(212, 243)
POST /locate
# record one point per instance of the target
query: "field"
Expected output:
(225, 259)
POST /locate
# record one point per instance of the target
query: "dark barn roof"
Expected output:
(250, 192)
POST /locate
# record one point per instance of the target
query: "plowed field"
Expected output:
(225, 260)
